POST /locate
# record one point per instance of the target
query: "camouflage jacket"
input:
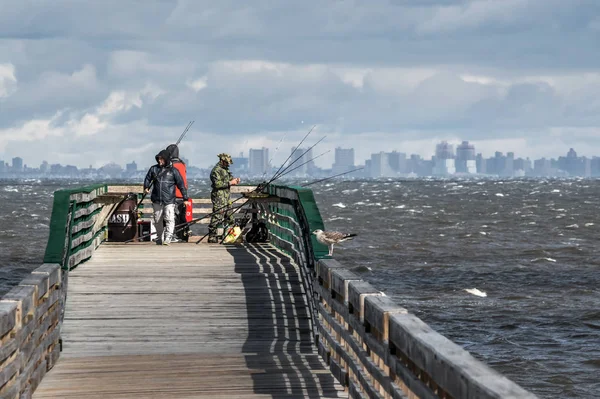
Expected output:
(220, 178)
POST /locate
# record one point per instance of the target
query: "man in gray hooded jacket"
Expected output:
(163, 178)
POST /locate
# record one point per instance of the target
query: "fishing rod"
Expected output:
(302, 164)
(184, 132)
(329, 178)
(271, 160)
(137, 206)
(292, 152)
(300, 157)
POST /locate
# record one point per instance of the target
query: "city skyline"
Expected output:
(325, 160)
(445, 162)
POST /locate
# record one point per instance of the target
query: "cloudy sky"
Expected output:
(97, 81)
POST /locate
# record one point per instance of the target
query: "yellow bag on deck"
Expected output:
(232, 235)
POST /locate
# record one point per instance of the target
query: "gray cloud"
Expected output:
(91, 83)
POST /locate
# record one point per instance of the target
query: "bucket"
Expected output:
(122, 224)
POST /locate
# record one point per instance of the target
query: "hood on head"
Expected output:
(164, 154)
(173, 150)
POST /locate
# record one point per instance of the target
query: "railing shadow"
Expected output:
(280, 342)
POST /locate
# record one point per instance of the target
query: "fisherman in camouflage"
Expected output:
(221, 180)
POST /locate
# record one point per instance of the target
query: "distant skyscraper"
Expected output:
(542, 167)
(465, 158)
(258, 161)
(444, 159)
(344, 160)
(303, 164)
(17, 164)
(508, 167)
(397, 161)
(481, 164)
(380, 165)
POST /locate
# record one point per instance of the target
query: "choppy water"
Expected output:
(532, 246)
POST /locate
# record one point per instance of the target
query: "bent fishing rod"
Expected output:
(187, 128)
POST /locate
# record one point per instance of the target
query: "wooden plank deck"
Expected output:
(187, 321)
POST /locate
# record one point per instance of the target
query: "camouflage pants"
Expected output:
(221, 211)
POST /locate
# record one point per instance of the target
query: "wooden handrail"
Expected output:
(373, 346)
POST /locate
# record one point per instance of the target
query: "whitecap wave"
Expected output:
(476, 292)
(544, 259)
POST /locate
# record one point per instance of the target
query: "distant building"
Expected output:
(380, 165)
(508, 166)
(111, 169)
(542, 167)
(480, 163)
(258, 161)
(344, 160)
(301, 163)
(466, 161)
(240, 165)
(522, 167)
(17, 164)
(595, 166)
(443, 162)
(44, 167)
(397, 161)
(131, 167)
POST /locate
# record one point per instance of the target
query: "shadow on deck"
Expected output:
(280, 340)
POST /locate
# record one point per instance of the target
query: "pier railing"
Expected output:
(30, 331)
(77, 225)
(80, 216)
(373, 346)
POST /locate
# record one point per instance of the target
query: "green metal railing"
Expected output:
(74, 233)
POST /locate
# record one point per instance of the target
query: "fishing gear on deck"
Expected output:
(180, 226)
(329, 178)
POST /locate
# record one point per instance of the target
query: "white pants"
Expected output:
(166, 212)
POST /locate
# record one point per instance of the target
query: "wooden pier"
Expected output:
(281, 319)
(187, 321)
